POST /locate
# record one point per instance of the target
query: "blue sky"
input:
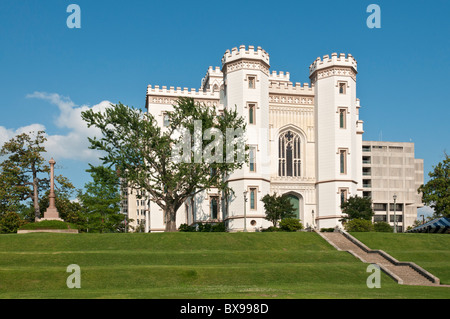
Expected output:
(48, 72)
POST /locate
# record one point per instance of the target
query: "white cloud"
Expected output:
(7, 134)
(74, 143)
(427, 211)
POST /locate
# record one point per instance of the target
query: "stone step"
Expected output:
(406, 274)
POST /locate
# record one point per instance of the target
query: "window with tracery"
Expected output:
(289, 155)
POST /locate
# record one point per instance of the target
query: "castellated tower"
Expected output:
(246, 85)
(338, 135)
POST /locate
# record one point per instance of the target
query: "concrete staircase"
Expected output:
(405, 273)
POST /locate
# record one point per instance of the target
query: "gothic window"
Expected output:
(251, 82)
(252, 158)
(342, 87)
(251, 113)
(343, 193)
(166, 119)
(289, 159)
(214, 207)
(343, 161)
(253, 198)
(342, 118)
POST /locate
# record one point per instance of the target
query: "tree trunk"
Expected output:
(37, 210)
(171, 214)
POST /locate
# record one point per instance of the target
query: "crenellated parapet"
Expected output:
(290, 94)
(164, 95)
(214, 71)
(335, 65)
(178, 91)
(284, 87)
(279, 76)
(326, 62)
(243, 53)
(242, 58)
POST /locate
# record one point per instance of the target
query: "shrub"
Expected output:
(271, 229)
(10, 222)
(290, 224)
(219, 227)
(186, 228)
(356, 207)
(382, 227)
(49, 224)
(277, 207)
(203, 227)
(359, 225)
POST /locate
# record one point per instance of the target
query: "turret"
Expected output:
(338, 135)
(246, 87)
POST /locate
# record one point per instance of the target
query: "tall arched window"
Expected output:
(289, 159)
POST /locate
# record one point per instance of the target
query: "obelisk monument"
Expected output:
(52, 213)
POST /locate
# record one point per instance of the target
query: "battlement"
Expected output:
(214, 71)
(285, 87)
(243, 53)
(172, 91)
(279, 76)
(211, 73)
(335, 60)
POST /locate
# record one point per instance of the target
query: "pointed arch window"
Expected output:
(289, 154)
(214, 207)
(252, 113)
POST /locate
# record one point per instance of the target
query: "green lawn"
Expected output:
(191, 265)
(429, 251)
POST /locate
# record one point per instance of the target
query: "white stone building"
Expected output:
(305, 141)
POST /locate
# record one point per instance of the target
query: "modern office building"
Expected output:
(390, 171)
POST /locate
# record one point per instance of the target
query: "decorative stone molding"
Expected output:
(246, 64)
(287, 181)
(289, 99)
(335, 60)
(333, 71)
(178, 91)
(171, 100)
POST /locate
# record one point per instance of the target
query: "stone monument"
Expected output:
(52, 213)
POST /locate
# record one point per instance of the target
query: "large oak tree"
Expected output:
(142, 151)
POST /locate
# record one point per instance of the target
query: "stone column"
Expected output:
(51, 212)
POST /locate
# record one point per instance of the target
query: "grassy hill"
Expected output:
(192, 265)
(429, 251)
